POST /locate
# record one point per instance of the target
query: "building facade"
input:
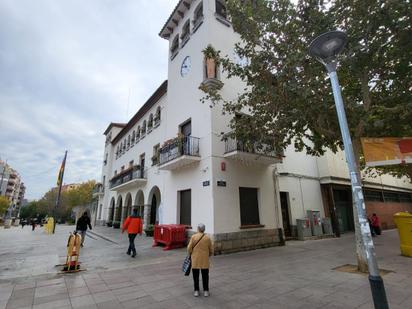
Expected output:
(12, 187)
(173, 162)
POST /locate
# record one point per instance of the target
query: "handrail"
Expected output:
(187, 145)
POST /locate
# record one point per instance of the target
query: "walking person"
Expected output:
(200, 248)
(81, 227)
(133, 225)
(33, 224)
(376, 226)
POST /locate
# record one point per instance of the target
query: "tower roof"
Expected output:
(174, 18)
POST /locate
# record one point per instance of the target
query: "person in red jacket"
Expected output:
(133, 225)
(376, 225)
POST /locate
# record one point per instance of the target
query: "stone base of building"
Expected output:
(247, 240)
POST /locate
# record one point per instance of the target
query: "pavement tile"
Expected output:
(81, 301)
(22, 286)
(23, 293)
(127, 290)
(113, 304)
(98, 288)
(57, 304)
(102, 297)
(50, 298)
(50, 282)
(79, 291)
(19, 302)
(47, 291)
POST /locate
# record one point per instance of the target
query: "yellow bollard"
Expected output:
(403, 221)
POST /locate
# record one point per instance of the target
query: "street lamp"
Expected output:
(325, 48)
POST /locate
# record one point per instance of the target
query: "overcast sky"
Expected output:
(67, 69)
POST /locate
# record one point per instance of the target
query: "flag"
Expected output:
(61, 172)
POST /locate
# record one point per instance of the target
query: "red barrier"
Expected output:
(171, 235)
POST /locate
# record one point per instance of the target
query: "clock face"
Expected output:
(186, 66)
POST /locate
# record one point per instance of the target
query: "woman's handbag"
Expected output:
(187, 263)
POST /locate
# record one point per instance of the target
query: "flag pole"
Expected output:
(59, 182)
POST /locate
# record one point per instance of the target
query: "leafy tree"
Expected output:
(4, 205)
(287, 93)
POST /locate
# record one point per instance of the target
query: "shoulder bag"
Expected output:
(187, 263)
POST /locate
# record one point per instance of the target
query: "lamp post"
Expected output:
(325, 48)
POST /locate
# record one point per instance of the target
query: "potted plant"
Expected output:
(109, 223)
(149, 230)
(212, 60)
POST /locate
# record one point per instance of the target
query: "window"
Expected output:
(115, 172)
(221, 9)
(105, 158)
(175, 46)
(124, 145)
(133, 137)
(122, 168)
(138, 133)
(373, 196)
(150, 123)
(117, 152)
(121, 149)
(157, 117)
(249, 207)
(185, 32)
(198, 17)
(391, 197)
(143, 128)
(131, 163)
(405, 197)
(128, 142)
(156, 154)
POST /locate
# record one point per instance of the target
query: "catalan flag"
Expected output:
(61, 172)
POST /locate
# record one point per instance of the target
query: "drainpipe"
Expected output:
(276, 190)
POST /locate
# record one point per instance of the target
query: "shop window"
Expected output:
(391, 197)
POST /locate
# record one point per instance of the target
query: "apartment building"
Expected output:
(173, 162)
(11, 186)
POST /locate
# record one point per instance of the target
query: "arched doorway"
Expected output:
(118, 213)
(154, 202)
(128, 206)
(111, 212)
(140, 203)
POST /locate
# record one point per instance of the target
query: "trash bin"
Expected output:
(403, 221)
(315, 222)
(171, 235)
(303, 228)
(327, 226)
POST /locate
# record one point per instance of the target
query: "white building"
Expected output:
(11, 186)
(171, 163)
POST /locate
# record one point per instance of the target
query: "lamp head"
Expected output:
(327, 46)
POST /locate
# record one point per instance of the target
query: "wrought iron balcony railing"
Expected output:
(233, 144)
(127, 176)
(181, 146)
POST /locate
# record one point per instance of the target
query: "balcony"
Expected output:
(98, 190)
(179, 152)
(132, 177)
(249, 152)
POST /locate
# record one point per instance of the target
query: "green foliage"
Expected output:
(211, 53)
(4, 205)
(287, 92)
(80, 196)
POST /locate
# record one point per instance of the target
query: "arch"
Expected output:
(128, 141)
(139, 202)
(127, 211)
(133, 136)
(154, 200)
(111, 211)
(118, 212)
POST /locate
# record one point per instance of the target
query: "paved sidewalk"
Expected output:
(298, 275)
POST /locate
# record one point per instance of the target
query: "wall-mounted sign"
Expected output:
(221, 183)
(206, 183)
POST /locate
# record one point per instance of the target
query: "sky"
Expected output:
(68, 69)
